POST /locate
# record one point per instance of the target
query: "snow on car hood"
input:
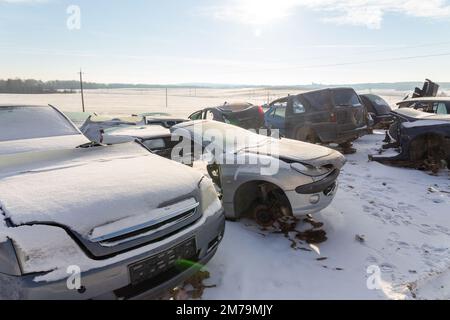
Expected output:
(422, 115)
(87, 188)
(39, 144)
(300, 151)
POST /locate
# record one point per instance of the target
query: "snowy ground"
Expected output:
(402, 214)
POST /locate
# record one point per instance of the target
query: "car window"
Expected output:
(19, 123)
(280, 104)
(298, 106)
(196, 116)
(318, 100)
(153, 144)
(346, 98)
(271, 112)
(280, 112)
(440, 108)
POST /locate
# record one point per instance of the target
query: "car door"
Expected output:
(297, 118)
(276, 117)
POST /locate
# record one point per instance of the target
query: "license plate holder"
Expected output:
(159, 263)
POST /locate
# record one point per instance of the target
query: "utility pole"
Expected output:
(167, 100)
(82, 93)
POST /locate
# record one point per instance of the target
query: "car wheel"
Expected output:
(264, 216)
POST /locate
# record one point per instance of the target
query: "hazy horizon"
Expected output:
(267, 42)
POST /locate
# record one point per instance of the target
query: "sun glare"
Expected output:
(263, 12)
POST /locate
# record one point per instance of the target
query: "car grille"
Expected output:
(112, 241)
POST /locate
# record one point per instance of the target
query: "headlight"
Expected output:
(210, 201)
(8, 259)
(310, 170)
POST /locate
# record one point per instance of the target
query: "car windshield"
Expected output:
(19, 123)
(227, 137)
(346, 98)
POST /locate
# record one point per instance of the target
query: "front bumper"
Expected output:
(113, 281)
(303, 204)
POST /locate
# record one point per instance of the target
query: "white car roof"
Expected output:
(426, 99)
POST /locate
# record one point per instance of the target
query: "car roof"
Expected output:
(235, 106)
(314, 91)
(425, 99)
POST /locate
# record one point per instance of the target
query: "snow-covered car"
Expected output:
(304, 182)
(419, 136)
(95, 126)
(79, 220)
(154, 137)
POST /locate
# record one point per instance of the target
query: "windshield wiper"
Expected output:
(91, 144)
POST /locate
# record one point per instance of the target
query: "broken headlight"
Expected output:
(311, 171)
(210, 200)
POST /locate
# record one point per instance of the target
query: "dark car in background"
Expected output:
(334, 115)
(436, 105)
(242, 114)
(378, 109)
(422, 140)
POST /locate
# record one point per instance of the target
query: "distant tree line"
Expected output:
(31, 86)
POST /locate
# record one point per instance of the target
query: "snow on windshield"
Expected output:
(19, 123)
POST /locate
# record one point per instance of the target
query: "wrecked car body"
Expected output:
(130, 223)
(95, 126)
(244, 115)
(323, 116)
(422, 139)
(379, 111)
(263, 177)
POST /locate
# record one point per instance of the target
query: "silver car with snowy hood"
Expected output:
(261, 176)
(79, 220)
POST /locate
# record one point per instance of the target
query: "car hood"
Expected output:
(116, 135)
(419, 115)
(42, 144)
(83, 189)
(298, 151)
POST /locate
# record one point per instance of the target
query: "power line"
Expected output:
(344, 63)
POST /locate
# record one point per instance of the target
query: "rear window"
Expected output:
(344, 98)
(319, 100)
(17, 123)
(380, 105)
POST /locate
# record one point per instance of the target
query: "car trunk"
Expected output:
(350, 113)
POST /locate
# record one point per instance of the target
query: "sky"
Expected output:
(273, 42)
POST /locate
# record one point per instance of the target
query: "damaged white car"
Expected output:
(80, 220)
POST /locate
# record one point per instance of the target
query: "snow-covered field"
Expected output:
(403, 216)
(180, 102)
